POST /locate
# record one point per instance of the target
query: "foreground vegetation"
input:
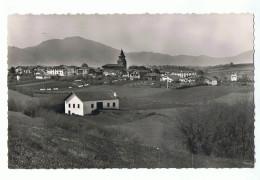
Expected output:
(217, 129)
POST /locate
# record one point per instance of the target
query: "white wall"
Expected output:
(74, 100)
(88, 109)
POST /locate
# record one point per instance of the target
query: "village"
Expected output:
(134, 76)
(120, 72)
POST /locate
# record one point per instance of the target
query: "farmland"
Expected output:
(144, 115)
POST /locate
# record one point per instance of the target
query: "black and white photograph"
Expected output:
(131, 91)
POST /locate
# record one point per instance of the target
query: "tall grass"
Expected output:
(218, 129)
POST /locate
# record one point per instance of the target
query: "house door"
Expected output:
(69, 112)
(99, 105)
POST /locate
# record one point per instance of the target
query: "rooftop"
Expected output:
(94, 95)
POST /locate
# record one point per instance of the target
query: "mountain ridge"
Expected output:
(77, 50)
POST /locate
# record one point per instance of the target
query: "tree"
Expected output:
(231, 64)
(225, 79)
(156, 71)
(12, 71)
(84, 65)
(200, 72)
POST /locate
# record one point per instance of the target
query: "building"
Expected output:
(210, 81)
(41, 75)
(19, 70)
(233, 77)
(183, 74)
(110, 73)
(150, 76)
(57, 71)
(121, 63)
(82, 71)
(169, 78)
(137, 74)
(71, 70)
(87, 102)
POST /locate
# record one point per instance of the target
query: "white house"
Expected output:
(211, 81)
(183, 74)
(233, 77)
(41, 75)
(134, 74)
(87, 102)
(169, 78)
(57, 71)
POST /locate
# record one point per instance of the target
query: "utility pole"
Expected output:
(191, 160)
(167, 82)
(158, 157)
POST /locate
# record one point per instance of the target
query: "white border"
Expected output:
(127, 7)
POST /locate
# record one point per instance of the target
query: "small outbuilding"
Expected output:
(233, 77)
(211, 81)
(88, 102)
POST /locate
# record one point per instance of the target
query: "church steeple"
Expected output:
(122, 55)
(122, 61)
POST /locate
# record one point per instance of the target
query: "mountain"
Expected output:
(184, 60)
(77, 50)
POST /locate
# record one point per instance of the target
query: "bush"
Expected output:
(219, 129)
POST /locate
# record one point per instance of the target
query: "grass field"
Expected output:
(32, 145)
(144, 114)
(48, 84)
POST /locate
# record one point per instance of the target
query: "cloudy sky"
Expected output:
(190, 34)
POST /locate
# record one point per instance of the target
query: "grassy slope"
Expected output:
(32, 145)
(145, 115)
(23, 99)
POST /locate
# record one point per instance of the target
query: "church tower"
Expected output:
(122, 61)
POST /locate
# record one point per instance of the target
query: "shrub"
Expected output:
(218, 128)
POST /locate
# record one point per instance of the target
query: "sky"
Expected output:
(176, 34)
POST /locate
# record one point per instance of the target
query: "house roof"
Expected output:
(111, 65)
(183, 71)
(94, 95)
(174, 77)
(137, 70)
(150, 74)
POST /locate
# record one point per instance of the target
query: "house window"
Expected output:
(69, 105)
(73, 105)
(92, 105)
(108, 104)
(114, 104)
(78, 106)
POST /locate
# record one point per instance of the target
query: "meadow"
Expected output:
(133, 136)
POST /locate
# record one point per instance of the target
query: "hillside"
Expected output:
(77, 50)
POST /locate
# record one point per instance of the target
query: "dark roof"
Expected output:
(150, 74)
(183, 71)
(113, 65)
(94, 95)
(174, 77)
